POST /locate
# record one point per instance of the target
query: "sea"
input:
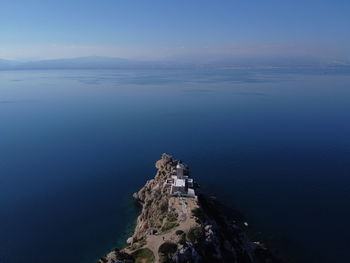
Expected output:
(271, 143)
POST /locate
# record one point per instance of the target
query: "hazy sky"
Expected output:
(163, 28)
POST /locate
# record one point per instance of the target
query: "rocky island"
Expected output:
(180, 224)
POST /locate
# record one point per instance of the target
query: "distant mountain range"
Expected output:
(188, 62)
(74, 63)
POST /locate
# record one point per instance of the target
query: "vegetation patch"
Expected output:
(149, 202)
(168, 225)
(195, 234)
(198, 213)
(172, 217)
(179, 232)
(140, 243)
(143, 255)
(120, 255)
(164, 206)
(166, 252)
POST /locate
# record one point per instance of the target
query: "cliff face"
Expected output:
(175, 228)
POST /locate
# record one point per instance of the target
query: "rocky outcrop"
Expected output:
(181, 230)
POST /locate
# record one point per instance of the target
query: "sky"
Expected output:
(158, 29)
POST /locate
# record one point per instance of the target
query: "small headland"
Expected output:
(180, 224)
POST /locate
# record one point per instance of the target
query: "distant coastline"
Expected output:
(94, 62)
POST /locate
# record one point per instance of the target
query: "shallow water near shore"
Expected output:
(74, 146)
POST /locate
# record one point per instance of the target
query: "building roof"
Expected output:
(180, 183)
(180, 166)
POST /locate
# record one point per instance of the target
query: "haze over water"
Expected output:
(74, 146)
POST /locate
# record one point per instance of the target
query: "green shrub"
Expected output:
(197, 212)
(120, 255)
(171, 217)
(138, 244)
(168, 225)
(166, 252)
(179, 232)
(195, 234)
(182, 239)
(164, 206)
(143, 255)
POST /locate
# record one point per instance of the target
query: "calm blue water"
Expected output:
(74, 145)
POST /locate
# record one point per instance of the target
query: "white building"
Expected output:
(181, 184)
